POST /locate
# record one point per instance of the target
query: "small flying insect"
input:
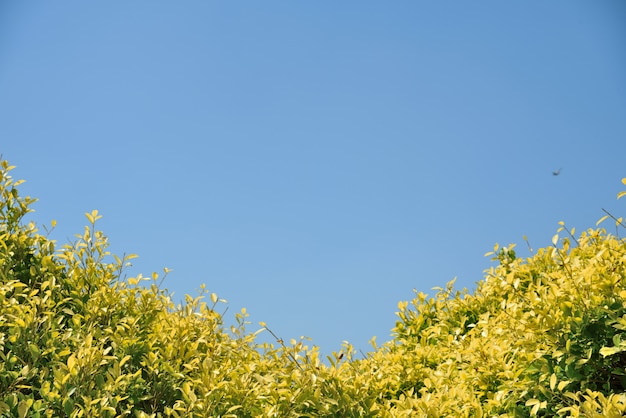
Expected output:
(557, 172)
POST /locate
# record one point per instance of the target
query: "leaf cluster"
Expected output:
(540, 336)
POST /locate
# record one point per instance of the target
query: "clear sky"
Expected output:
(316, 161)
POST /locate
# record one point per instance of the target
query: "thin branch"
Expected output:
(282, 343)
(618, 222)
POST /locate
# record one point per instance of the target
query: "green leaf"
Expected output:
(34, 351)
(68, 406)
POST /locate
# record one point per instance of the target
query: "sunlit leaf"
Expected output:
(555, 239)
(609, 351)
(553, 380)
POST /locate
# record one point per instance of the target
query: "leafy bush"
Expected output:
(541, 336)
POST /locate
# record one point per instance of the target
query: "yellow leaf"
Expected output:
(609, 351)
(71, 362)
(124, 360)
(213, 298)
(93, 216)
(602, 219)
(233, 408)
(555, 239)
(552, 381)
(562, 385)
(536, 405)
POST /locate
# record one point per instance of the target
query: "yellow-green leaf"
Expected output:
(23, 407)
(233, 408)
(609, 351)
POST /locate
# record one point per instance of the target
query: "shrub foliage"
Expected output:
(539, 336)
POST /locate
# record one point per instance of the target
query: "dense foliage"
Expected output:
(541, 336)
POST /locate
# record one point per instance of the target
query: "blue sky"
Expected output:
(314, 162)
